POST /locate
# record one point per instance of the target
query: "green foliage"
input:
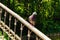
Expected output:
(0, 33)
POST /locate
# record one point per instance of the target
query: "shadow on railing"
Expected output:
(17, 24)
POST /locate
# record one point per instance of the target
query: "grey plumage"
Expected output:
(32, 18)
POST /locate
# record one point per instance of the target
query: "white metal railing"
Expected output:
(5, 28)
(28, 25)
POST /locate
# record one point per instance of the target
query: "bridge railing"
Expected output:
(18, 24)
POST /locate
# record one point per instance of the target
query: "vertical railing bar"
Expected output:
(15, 26)
(0, 13)
(29, 34)
(5, 17)
(37, 38)
(9, 25)
(21, 30)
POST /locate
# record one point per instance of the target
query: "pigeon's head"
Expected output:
(34, 13)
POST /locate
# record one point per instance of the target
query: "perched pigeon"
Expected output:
(32, 18)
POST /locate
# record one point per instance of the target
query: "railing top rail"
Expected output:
(32, 28)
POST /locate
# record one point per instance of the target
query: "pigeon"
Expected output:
(32, 18)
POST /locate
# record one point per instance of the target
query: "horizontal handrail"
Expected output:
(28, 25)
